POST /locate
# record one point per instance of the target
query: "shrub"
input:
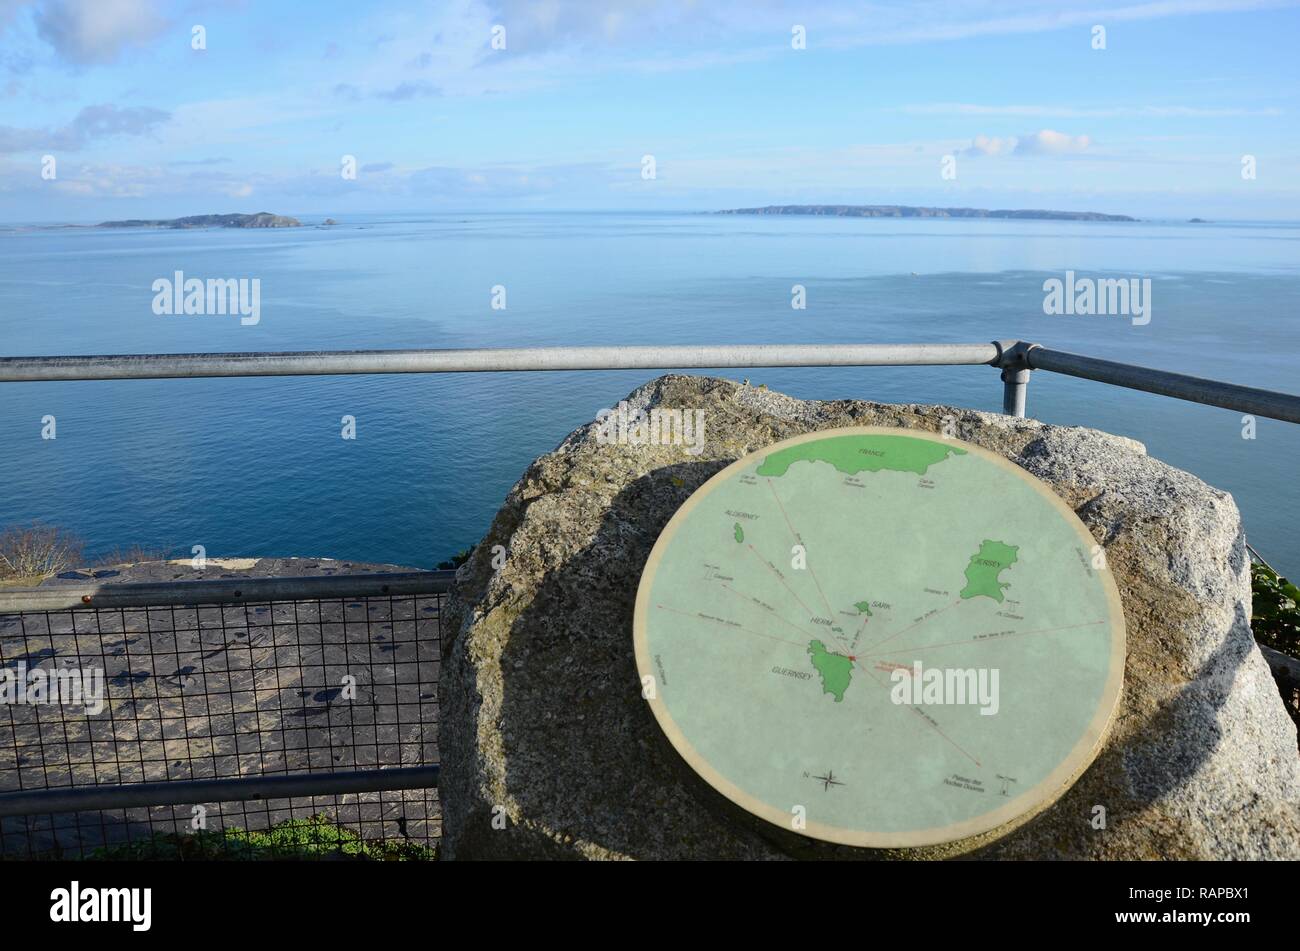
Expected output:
(131, 556)
(456, 560)
(37, 551)
(317, 837)
(1275, 614)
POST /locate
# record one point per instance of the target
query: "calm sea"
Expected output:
(257, 466)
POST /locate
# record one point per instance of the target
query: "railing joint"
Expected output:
(1013, 360)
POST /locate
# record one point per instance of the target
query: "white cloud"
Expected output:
(1070, 112)
(1043, 142)
(549, 41)
(112, 181)
(9, 11)
(925, 22)
(984, 145)
(539, 24)
(97, 31)
(1048, 142)
(90, 124)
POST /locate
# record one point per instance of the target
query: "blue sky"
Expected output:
(141, 124)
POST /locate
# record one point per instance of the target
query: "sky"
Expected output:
(148, 108)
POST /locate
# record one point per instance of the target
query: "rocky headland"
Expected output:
(911, 211)
(263, 219)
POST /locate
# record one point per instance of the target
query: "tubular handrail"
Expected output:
(323, 362)
(1195, 389)
(1016, 359)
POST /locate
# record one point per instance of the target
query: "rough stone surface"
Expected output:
(542, 723)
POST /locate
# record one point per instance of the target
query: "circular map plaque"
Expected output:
(880, 638)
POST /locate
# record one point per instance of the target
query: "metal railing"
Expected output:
(230, 692)
(1016, 359)
(249, 717)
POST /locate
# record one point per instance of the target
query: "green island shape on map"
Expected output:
(991, 560)
(739, 533)
(854, 454)
(864, 607)
(836, 670)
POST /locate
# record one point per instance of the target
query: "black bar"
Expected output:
(176, 792)
(1194, 389)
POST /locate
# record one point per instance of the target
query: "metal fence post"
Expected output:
(1014, 385)
(1013, 359)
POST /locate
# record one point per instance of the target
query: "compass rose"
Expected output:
(828, 780)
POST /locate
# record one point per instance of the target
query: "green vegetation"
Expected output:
(317, 837)
(1275, 610)
(854, 454)
(864, 607)
(455, 561)
(738, 533)
(836, 669)
(992, 559)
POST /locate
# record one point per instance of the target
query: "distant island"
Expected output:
(263, 219)
(909, 211)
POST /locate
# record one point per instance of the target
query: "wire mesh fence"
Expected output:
(112, 697)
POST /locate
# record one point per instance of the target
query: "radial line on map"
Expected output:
(857, 660)
(985, 640)
(855, 657)
(830, 614)
(769, 610)
(924, 717)
(788, 523)
(733, 627)
(798, 540)
(780, 577)
(915, 624)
